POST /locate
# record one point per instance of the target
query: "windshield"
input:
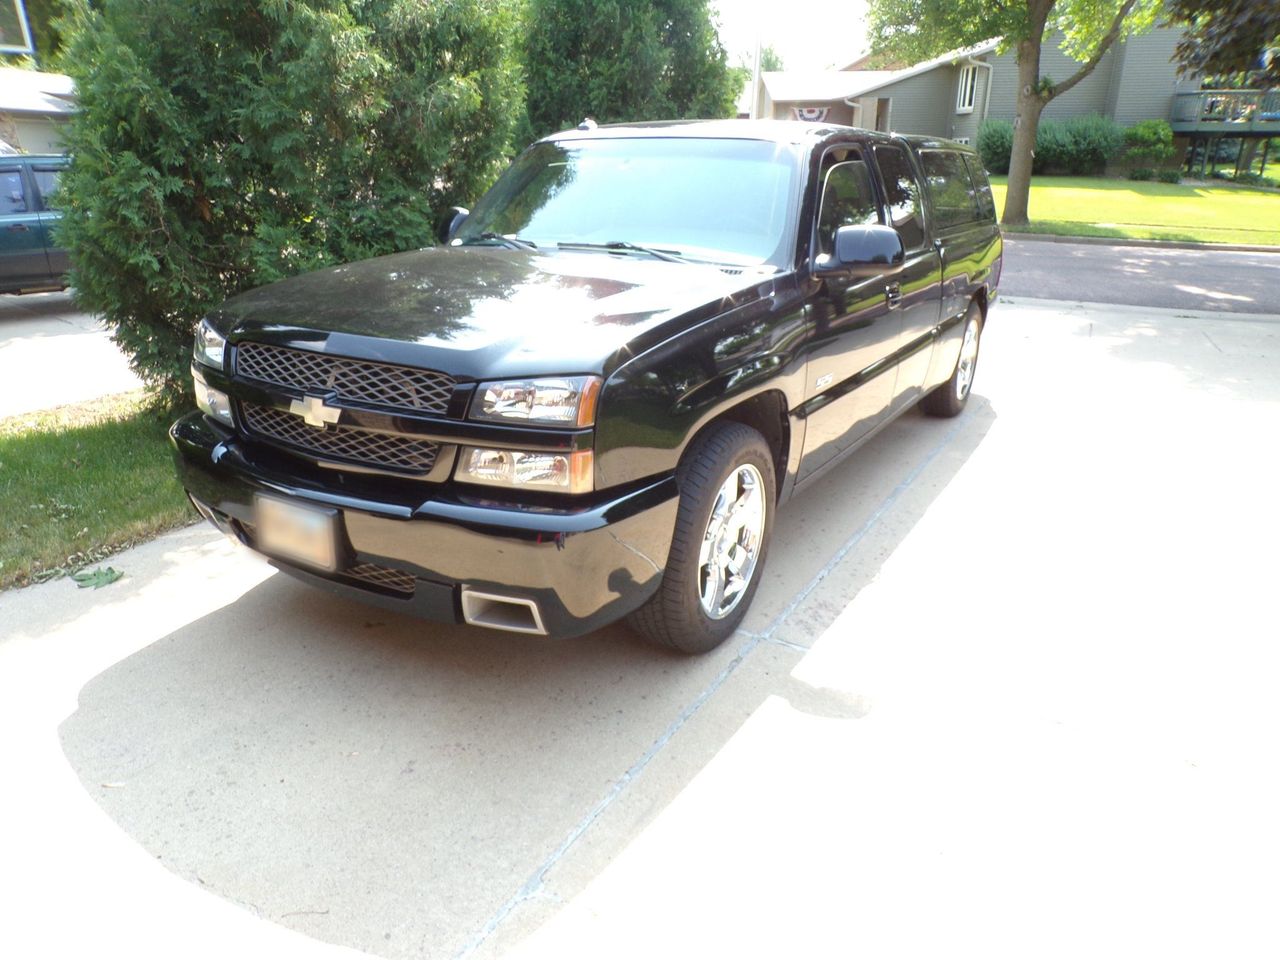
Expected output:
(726, 201)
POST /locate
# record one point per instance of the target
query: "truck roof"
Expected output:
(777, 131)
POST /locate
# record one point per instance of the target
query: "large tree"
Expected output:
(622, 60)
(1230, 37)
(222, 144)
(920, 29)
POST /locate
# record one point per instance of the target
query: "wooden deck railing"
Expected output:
(1227, 111)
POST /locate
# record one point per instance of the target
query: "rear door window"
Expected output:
(986, 202)
(12, 197)
(950, 187)
(902, 194)
(47, 186)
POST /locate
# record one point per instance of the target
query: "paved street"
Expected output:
(1008, 688)
(51, 353)
(1213, 280)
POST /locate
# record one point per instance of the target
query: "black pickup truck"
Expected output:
(591, 399)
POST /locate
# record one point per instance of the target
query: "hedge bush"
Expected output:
(1149, 143)
(995, 145)
(1078, 145)
(222, 144)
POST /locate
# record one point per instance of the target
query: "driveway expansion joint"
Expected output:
(532, 888)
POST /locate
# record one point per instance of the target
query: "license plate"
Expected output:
(293, 531)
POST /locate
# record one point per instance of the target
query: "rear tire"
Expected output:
(948, 399)
(723, 525)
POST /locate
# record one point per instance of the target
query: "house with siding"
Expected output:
(951, 95)
(33, 109)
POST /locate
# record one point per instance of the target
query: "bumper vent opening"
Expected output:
(501, 613)
(388, 578)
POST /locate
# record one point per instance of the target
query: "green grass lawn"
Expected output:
(1097, 207)
(78, 483)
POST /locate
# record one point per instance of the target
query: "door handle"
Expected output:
(893, 293)
(18, 228)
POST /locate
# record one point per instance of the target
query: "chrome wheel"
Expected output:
(968, 359)
(731, 543)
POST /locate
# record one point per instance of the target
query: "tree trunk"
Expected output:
(1030, 104)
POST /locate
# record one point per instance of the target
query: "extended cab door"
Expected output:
(917, 289)
(45, 175)
(22, 257)
(849, 379)
(969, 242)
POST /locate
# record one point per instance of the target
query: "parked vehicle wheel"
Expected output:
(727, 496)
(949, 399)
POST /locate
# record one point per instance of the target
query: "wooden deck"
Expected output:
(1230, 113)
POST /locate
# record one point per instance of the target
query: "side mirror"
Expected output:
(870, 251)
(450, 224)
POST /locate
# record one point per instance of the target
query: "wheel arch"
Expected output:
(765, 412)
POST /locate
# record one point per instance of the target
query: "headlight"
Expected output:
(563, 472)
(213, 402)
(567, 401)
(211, 346)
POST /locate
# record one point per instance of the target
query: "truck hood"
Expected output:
(485, 312)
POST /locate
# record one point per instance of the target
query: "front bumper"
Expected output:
(583, 566)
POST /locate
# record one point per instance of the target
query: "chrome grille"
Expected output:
(385, 577)
(346, 443)
(362, 381)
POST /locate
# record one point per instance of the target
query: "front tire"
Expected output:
(948, 399)
(725, 518)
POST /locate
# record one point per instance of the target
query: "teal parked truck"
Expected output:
(29, 258)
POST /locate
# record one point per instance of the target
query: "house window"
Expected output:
(968, 89)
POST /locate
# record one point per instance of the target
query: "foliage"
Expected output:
(1078, 145)
(42, 15)
(1141, 173)
(916, 30)
(221, 145)
(623, 60)
(770, 60)
(919, 29)
(97, 577)
(1169, 176)
(1253, 179)
(1149, 143)
(994, 144)
(1091, 141)
(1229, 37)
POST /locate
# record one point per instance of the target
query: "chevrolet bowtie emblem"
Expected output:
(314, 411)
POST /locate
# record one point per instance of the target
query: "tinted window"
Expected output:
(902, 193)
(986, 202)
(47, 184)
(12, 199)
(950, 188)
(722, 200)
(848, 199)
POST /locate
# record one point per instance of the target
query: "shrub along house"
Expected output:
(951, 95)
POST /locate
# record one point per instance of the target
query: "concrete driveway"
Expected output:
(1008, 688)
(52, 353)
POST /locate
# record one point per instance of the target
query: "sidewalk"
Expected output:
(52, 354)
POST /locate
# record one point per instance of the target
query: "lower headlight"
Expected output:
(563, 472)
(213, 402)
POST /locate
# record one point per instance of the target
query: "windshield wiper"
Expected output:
(667, 255)
(515, 243)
